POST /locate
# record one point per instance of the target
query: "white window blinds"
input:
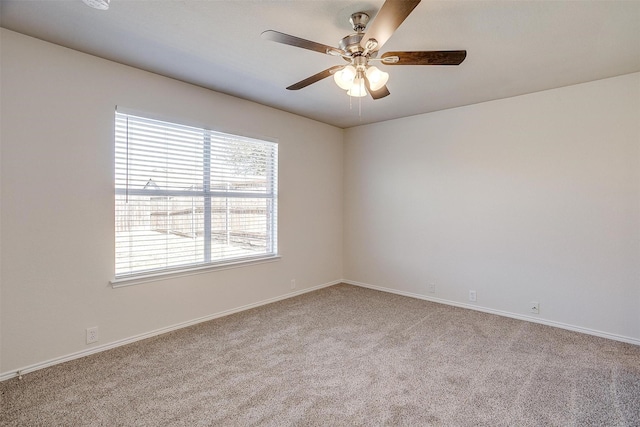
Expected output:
(189, 197)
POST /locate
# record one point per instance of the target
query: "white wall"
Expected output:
(533, 198)
(57, 225)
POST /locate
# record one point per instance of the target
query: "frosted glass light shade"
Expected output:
(358, 90)
(377, 78)
(344, 78)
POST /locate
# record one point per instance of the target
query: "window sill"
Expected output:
(156, 277)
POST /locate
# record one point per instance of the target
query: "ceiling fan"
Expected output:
(361, 48)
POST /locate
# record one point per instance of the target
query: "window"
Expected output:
(190, 197)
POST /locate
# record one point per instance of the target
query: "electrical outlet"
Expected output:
(534, 307)
(293, 283)
(431, 288)
(472, 296)
(92, 335)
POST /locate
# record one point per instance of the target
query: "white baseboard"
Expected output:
(25, 370)
(501, 313)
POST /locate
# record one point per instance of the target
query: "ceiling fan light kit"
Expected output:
(352, 78)
(358, 77)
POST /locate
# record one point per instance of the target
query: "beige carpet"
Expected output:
(342, 356)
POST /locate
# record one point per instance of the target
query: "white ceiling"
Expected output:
(513, 47)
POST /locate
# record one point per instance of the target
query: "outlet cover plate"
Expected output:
(534, 307)
(92, 335)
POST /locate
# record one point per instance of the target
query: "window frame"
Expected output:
(207, 194)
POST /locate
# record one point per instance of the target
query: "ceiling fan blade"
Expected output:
(391, 15)
(315, 78)
(380, 93)
(283, 38)
(435, 57)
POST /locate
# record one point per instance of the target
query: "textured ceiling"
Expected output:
(514, 47)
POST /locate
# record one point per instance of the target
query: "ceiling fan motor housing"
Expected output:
(351, 44)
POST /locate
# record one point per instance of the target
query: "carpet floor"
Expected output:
(343, 355)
